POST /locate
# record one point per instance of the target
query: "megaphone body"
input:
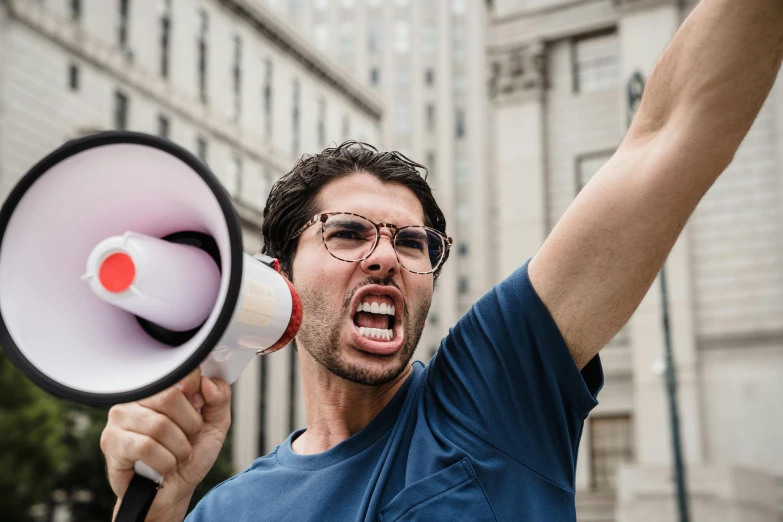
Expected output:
(122, 270)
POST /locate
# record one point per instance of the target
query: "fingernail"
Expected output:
(197, 401)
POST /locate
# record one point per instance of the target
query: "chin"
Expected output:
(369, 368)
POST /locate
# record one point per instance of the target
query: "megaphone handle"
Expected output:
(137, 500)
(141, 492)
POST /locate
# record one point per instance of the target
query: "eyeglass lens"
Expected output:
(351, 238)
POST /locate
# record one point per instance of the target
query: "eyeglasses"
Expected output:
(352, 238)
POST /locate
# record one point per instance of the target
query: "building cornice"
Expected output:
(516, 73)
(288, 39)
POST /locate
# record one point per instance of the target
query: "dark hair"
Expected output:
(293, 198)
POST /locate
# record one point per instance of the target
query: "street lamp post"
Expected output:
(634, 90)
(674, 417)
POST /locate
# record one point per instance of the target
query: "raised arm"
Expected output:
(701, 99)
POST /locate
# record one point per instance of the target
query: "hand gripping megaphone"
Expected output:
(122, 270)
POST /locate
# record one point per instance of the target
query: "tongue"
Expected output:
(370, 320)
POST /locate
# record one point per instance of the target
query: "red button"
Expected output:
(117, 272)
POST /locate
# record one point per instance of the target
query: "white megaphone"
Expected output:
(122, 270)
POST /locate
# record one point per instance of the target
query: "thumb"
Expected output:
(217, 402)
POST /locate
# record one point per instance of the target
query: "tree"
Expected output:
(32, 449)
(51, 451)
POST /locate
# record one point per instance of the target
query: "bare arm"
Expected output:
(701, 99)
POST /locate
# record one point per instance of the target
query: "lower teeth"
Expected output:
(375, 333)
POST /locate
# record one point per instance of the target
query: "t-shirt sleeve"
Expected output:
(505, 375)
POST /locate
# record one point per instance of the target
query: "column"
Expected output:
(516, 93)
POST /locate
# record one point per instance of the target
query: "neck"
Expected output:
(337, 408)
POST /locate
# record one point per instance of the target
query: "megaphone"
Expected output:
(122, 270)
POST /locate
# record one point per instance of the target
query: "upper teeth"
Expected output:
(376, 308)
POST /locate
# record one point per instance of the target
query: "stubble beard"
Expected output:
(320, 336)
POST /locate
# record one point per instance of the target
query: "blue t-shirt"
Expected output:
(489, 430)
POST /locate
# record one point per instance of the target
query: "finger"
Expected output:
(156, 425)
(123, 448)
(173, 404)
(191, 383)
(217, 402)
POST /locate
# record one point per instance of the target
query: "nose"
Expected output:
(383, 260)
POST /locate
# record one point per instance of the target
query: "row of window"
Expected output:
(401, 35)
(457, 6)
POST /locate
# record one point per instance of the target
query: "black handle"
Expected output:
(137, 500)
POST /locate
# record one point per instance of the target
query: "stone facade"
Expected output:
(555, 119)
(60, 76)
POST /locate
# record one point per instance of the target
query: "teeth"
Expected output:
(375, 333)
(376, 308)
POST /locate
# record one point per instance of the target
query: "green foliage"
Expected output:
(32, 448)
(50, 455)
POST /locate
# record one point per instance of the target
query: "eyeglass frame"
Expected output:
(322, 218)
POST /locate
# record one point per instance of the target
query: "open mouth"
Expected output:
(375, 317)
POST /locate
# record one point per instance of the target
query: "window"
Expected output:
(430, 112)
(374, 36)
(237, 77)
(402, 37)
(403, 119)
(431, 162)
(201, 148)
(321, 35)
(120, 111)
(73, 77)
(459, 122)
(374, 76)
(429, 37)
(163, 126)
(596, 63)
(462, 250)
(461, 169)
(75, 11)
(463, 285)
(611, 444)
(429, 76)
(321, 123)
(346, 36)
(588, 164)
(122, 30)
(463, 212)
(346, 127)
(268, 115)
(295, 117)
(202, 56)
(403, 76)
(460, 83)
(459, 40)
(165, 34)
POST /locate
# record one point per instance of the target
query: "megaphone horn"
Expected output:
(122, 269)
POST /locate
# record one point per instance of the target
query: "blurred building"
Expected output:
(426, 59)
(563, 79)
(227, 80)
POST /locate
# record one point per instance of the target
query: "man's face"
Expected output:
(333, 291)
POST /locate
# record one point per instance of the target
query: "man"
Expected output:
(489, 430)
